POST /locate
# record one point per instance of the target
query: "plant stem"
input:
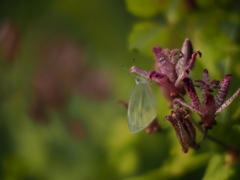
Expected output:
(206, 136)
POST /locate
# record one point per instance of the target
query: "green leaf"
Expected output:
(144, 8)
(179, 166)
(174, 11)
(145, 35)
(217, 170)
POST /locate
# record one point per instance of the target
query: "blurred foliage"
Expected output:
(213, 27)
(61, 76)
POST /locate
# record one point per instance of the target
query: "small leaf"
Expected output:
(143, 8)
(217, 170)
(145, 35)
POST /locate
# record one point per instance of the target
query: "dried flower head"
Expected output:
(183, 127)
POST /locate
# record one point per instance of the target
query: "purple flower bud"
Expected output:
(209, 109)
(192, 92)
(164, 64)
(187, 51)
(222, 92)
(157, 52)
(193, 58)
(206, 75)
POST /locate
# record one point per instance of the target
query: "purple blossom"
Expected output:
(210, 106)
(171, 68)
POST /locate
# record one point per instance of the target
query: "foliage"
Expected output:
(61, 76)
(212, 28)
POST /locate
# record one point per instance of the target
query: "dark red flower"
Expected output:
(172, 67)
(210, 106)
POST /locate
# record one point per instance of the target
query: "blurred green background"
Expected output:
(63, 68)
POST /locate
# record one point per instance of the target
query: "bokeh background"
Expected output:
(63, 67)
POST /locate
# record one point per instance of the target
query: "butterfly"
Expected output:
(141, 106)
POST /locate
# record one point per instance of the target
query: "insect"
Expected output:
(141, 107)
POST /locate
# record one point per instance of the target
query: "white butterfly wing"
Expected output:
(141, 107)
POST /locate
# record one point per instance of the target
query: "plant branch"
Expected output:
(204, 131)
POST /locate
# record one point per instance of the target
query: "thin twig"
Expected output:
(206, 136)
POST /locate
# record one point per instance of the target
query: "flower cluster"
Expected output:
(210, 106)
(171, 74)
(171, 68)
